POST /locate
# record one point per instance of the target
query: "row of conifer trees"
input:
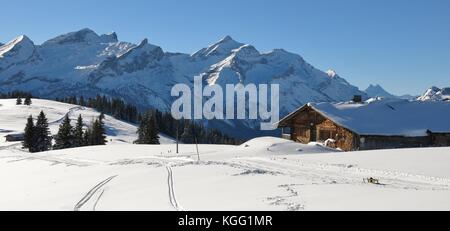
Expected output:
(37, 136)
(187, 131)
(27, 101)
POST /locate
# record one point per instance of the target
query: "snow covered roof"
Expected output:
(391, 117)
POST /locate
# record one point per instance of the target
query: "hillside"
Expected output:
(14, 117)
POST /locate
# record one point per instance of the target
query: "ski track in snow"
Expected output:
(92, 192)
(172, 197)
(97, 200)
(71, 110)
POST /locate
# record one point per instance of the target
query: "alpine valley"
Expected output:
(85, 63)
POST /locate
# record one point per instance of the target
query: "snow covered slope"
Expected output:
(14, 117)
(85, 63)
(262, 174)
(435, 94)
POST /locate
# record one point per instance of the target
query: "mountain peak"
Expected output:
(226, 39)
(21, 42)
(223, 47)
(331, 73)
(375, 90)
(109, 38)
(143, 42)
(81, 36)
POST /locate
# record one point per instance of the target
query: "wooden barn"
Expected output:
(379, 124)
(14, 137)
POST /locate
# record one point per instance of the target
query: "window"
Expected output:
(325, 134)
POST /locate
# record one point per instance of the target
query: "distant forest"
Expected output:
(187, 131)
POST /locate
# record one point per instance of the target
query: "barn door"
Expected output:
(313, 133)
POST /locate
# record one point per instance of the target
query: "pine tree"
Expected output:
(97, 135)
(154, 137)
(87, 137)
(148, 130)
(43, 140)
(19, 101)
(78, 133)
(187, 136)
(81, 101)
(65, 137)
(27, 100)
(29, 136)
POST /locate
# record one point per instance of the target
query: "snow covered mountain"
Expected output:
(85, 63)
(436, 94)
(374, 91)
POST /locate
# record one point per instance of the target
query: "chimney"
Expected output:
(357, 98)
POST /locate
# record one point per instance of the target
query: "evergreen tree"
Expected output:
(148, 130)
(97, 136)
(188, 133)
(28, 141)
(27, 100)
(101, 117)
(154, 137)
(81, 101)
(65, 137)
(87, 137)
(19, 101)
(43, 140)
(78, 133)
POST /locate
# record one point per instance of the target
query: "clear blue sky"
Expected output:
(404, 45)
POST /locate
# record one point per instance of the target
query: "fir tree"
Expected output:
(97, 136)
(188, 134)
(65, 137)
(148, 130)
(27, 100)
(81, 101)
(19, 101)
(43, 140)
(78, 133)
(87, 137)
(154, 137)
(29, 141)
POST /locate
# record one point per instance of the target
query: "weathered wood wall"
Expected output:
(311, 126)
(440, 139)
(389, 142)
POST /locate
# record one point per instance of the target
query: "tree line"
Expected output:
(37, 137)
(187, 131)
(15, 95)
(115, 107)
(27, 101)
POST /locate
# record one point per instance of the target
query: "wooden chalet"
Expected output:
(379, 124)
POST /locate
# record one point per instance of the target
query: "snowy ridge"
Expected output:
(374, 91)
(435, 94)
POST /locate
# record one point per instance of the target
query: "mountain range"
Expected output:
(85, 63)
(436, 94)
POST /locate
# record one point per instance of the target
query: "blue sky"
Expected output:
(404, 45)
